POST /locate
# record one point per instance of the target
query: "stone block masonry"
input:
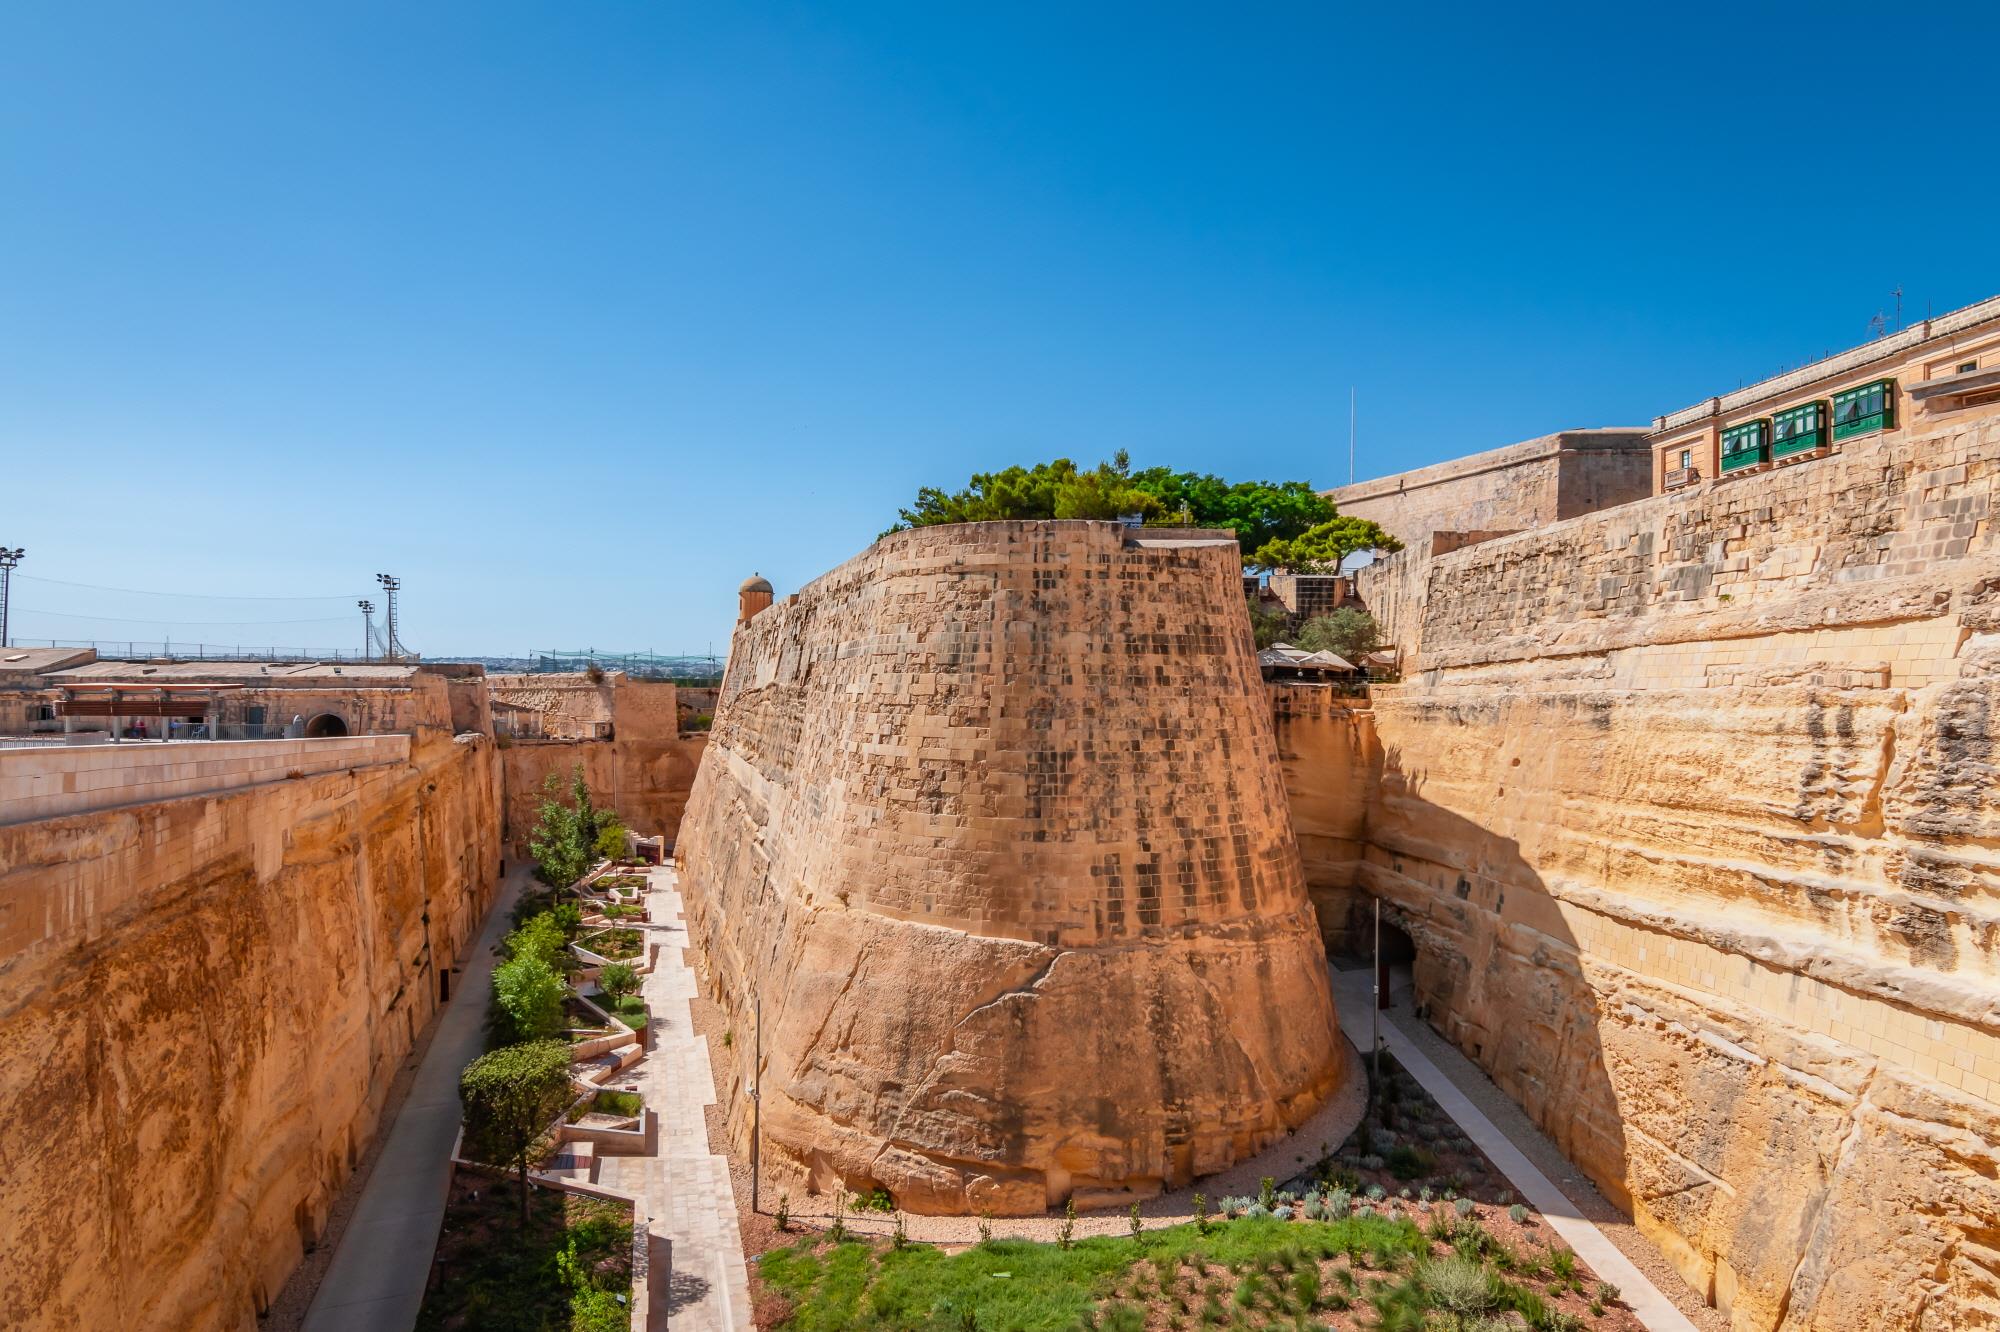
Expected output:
(1689, 808)
(992, 823)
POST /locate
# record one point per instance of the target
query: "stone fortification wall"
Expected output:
(1530, 484)
(1691, 812)
(202, 1003)
(992, 823)
(1332, 768)
(647, 781)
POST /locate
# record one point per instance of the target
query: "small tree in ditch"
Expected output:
(530, 995)
(610, 836)
(511, 1097)
(617, 981)
(559, 844)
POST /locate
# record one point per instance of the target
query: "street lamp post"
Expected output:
(367, 629)
(8, 559)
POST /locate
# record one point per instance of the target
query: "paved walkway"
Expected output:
(698, 1279)
(1351, 994)
(376, 1280)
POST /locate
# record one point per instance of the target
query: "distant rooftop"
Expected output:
(234, 672)
(1855, 358)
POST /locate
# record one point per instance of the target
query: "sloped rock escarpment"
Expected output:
(992, 824)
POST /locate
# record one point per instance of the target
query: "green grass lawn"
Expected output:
(1022, 1286)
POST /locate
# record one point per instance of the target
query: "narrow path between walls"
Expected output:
(698, 1279)
(383, 1260)
(1353, 998)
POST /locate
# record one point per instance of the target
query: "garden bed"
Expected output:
(1357, 1272)
(614, 945)
(565, 1269)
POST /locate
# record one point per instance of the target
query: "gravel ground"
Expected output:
(1536, 1146)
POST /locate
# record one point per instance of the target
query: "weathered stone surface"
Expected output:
(991, 822)
(202, 1004)
(1690, 810)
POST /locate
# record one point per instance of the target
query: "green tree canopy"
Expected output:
(1321, 547)
(1260, 513)
(1056, 489)
(529, 993)
(618, 980)
(511, 1097)
(1346, 632)
(564, 839)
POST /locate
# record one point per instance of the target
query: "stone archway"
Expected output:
(325, 725)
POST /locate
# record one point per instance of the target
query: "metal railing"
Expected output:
(135, 650)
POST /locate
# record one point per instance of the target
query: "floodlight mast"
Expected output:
(391, 585)
(8, 559)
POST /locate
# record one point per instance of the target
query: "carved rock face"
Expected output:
(991, 819)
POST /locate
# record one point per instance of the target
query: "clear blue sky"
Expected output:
(573, 315)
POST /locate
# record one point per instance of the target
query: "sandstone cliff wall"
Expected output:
(202, 1003)
(1690, 809)
(991, 821)
(1332, 771)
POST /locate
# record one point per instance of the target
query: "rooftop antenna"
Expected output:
(1899, 307)
(1350, 434)
(1877, 324)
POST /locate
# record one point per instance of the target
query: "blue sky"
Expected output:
(574, 315)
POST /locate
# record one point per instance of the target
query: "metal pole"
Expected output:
(1374, 1009)
(756, 1101)
(1350, 435)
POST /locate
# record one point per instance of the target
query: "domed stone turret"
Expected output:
(753, 596)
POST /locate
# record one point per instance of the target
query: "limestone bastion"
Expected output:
(991, 823)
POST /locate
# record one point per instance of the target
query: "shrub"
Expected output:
(1266, 1190)
(1607, 1292)
(1457, 1285)
(1066, 1234)
(1201, 1214)
(568, 917)
(1376, 1193)
(1406, 1162)
(1463, 1206)
(1563, 1263)
(1518, 1214)
(594, 1310)
(784, 1213)
(611, 839)
(1305, 1287)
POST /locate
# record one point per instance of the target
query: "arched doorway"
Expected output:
(1395, 978)
(324, 725)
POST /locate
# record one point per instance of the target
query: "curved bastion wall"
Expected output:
(991, 822)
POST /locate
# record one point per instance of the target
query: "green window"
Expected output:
(1862, 410)
(1799, 430)
(1743, 446)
